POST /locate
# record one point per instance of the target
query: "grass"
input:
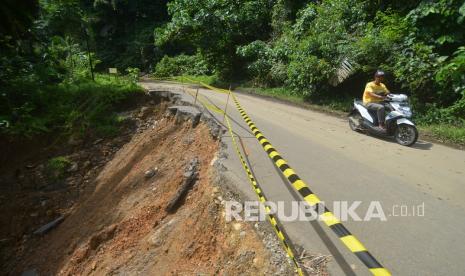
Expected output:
(337, 107)
(97, 104)
(79, 106)
(210, 80)
(277, 93)
(56, 167)
(446, 133)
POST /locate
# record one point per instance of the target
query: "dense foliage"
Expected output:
(123, 31)
(301, 45)
(182, 65)
(296, 46)
(216, 29)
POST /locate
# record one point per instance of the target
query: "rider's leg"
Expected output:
(381, 117)
(379, 111)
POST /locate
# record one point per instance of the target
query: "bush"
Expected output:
(414, 67)
(56, 168)
(451, 133)
(68, 107)
(181, 65)
(307, 75)
(451, 78)
(133, 74)
(266, 63)
(260, 58)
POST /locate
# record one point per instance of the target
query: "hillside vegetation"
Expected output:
(321, 52)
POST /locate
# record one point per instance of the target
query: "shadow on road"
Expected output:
(420, 145)
(423, 145)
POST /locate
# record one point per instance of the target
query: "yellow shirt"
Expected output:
(374, 88)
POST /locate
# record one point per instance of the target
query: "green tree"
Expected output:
(217, 28)
(123, 31)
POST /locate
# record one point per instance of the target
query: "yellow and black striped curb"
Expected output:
(349, 240)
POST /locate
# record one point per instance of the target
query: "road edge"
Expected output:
(424, 135)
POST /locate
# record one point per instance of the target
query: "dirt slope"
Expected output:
(121, 227)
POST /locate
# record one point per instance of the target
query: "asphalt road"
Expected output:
(342, 165)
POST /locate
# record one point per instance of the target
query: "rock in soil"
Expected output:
(49, 226)
(73, 168)
(191, 176)
(150, 173)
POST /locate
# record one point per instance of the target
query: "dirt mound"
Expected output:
(120, 226)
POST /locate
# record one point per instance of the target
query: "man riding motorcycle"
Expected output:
(375, 92)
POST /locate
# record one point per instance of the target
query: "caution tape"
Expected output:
(208, 105)
(349, 240)
(282, 236)
(219, 90)
(271, 218)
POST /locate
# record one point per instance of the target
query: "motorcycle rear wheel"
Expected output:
(354, 121)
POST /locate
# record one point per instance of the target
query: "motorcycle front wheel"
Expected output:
(406, 135)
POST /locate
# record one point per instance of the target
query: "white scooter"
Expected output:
(398, 123)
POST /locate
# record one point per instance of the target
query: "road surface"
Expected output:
(342, 165)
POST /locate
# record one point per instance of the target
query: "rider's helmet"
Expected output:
(379, 73)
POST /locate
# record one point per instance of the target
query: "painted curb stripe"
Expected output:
(350, 241)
